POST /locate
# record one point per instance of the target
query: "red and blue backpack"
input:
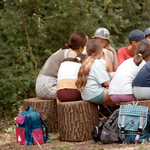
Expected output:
(29, 130)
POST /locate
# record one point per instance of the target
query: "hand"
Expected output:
(110, 48)
(105, 51)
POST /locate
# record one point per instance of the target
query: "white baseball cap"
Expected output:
(102, 33)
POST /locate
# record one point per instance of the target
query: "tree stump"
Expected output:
(47, 110)
(76, 120)
(140, 103)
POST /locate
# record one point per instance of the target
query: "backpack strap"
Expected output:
(30, 108)
(122, 128)
(47, 137)
(139, 130)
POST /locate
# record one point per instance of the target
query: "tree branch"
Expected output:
(35, 63)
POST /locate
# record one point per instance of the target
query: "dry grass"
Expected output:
(8, 142)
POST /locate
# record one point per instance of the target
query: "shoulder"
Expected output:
(72, 54)
(98, 64)
(122, 49)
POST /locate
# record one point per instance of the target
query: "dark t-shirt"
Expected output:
(143, 77)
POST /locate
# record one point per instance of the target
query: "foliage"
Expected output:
(49, 24)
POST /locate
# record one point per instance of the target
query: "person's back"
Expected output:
(51, 66)
(141, 83)
(120, 88)
(121, 83)
(135, 37)
(93, 79)
(67, 76)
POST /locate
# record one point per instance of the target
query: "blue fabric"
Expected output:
(32, 121)
(132, 118)
(143, 77)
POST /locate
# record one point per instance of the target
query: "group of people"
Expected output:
(93, 70)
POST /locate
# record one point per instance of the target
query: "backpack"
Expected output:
(29, 130)
(107, 130)
(109, 133)
(134, 124)
(97, 130)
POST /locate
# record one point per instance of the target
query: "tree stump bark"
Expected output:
(76, 120)
(47, 110)
(140, 103)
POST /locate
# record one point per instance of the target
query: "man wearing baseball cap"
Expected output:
(135, 37)
(109, 53)
(147, 33)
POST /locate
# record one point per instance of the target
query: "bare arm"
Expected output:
(115, 58)
(108, 64)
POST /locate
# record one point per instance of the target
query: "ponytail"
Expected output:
(66, 46)
(93, 48)
(138, 59)
(76, 41)
(141, 53)
(84, 72)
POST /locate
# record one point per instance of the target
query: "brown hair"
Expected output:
(141, 53)
(76, 40)
(130, 41)
(78, 59)
(93, 48)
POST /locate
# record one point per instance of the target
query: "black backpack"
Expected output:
(107, 130)
(97, 130)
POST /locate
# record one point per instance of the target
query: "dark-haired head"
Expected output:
(142, 53)
(76, 41)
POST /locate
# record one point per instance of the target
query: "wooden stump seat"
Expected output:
(47, 110)
(140, 103)
(76, 120)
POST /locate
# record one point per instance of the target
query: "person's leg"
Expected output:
(102, 99)
(106, 99)
(58, 101)
(46, 87)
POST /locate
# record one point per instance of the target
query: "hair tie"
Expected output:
(70, 45)
(93, 54)
(140, 54)
(78, 58)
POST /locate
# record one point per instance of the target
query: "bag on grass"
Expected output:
(29, 130)
(134, 124)
(109, 133)
(97, 130)
(107, 130)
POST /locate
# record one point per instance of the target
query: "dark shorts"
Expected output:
(65, 95)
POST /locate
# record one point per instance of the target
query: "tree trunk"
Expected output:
(76, 120)
(146, 5)
(47, 110)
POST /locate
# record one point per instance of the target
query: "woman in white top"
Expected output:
(93, 79)
(120, 88)
(67, 76)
